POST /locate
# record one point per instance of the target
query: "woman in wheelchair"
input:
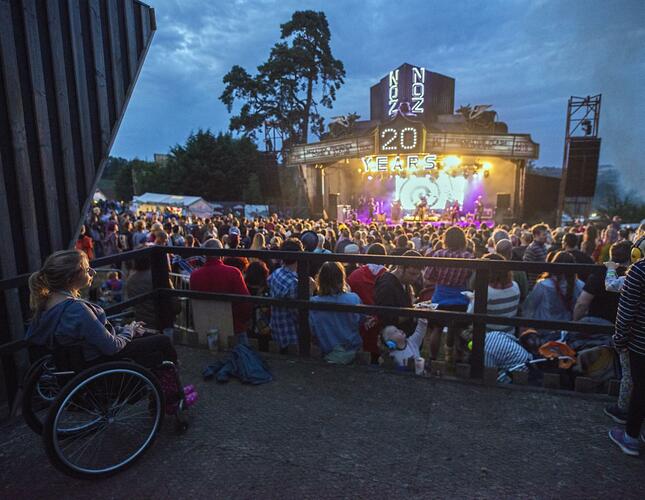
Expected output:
(61, 318)
(104, 391)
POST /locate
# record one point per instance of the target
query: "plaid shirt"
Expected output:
(448, 276)
(283, 283)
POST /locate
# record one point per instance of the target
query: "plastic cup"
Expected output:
(419, 365)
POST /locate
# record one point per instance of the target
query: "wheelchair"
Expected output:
(97, 419)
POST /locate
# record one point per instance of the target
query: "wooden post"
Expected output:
(479, 328)
(160, 277)
(303, 294)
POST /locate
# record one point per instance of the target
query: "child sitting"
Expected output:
(400, 348)
(114, 285)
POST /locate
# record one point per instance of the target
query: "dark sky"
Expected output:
(523, 57)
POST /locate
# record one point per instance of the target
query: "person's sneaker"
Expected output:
(616, 414)
(629, 446)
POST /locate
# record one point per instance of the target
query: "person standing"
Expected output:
(630, 335)
(536, 251)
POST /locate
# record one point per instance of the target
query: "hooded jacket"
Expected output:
(76, 321)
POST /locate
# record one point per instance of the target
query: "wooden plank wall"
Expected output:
(67, 70)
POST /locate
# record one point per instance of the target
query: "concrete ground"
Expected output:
(322, 431)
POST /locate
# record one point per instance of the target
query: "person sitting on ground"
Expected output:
(283, 284)
(401, 348)
(395, 288)
(503, 351)
(363, 282)
(215, 276)
(337, 332)
(554, 295)
(255, 278)
(503, 296)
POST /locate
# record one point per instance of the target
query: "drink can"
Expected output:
(212, 338)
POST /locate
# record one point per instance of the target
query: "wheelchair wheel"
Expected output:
(39, 392)
(103, 420)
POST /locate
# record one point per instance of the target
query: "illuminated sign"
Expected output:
(417, 82)
(393, 92)
(399, 163)
(418, 89)
(401, 135)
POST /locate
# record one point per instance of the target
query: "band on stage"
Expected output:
(375, 211)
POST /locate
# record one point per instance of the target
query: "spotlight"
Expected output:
(451, 161)
(369, 177)
(487, 165)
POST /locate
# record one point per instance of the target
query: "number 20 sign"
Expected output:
(404, 139)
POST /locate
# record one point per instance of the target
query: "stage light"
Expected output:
(451, 161)
(487, 165)
(369, 177)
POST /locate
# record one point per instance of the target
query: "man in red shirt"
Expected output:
(362, 282)
(215, 276)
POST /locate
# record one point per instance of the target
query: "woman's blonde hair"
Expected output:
(331, 279)
(259, 242)
(58, 272)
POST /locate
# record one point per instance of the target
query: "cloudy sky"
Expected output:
(525, 57)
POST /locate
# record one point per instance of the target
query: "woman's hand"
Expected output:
(136, 328)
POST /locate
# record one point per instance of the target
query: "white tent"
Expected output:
(187, 205)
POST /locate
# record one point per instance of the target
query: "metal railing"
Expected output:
(481, 268)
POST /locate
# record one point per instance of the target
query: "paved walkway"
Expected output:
(324, 432)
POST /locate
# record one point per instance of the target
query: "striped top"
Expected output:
(503, 302)
(630, 320)
(503, 351)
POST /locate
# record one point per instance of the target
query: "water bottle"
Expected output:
(212, 337)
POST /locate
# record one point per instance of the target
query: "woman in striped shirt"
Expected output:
(503, 296)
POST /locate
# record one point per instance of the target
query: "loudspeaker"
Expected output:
(503, 202)
(582, 167)
(332, 206)
(269, 176)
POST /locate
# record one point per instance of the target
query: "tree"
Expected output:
(627, 206)
(217, 168)
(283, 91)
(136, 177)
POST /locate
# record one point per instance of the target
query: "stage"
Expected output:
(415, 147)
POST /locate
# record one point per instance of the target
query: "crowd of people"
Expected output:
(593, 297)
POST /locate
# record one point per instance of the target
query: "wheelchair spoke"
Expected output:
(104, 424)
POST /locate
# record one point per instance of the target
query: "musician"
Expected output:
(421, 207)
(396, 210)
(479, 209)
(371, 207)
(454, 212)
